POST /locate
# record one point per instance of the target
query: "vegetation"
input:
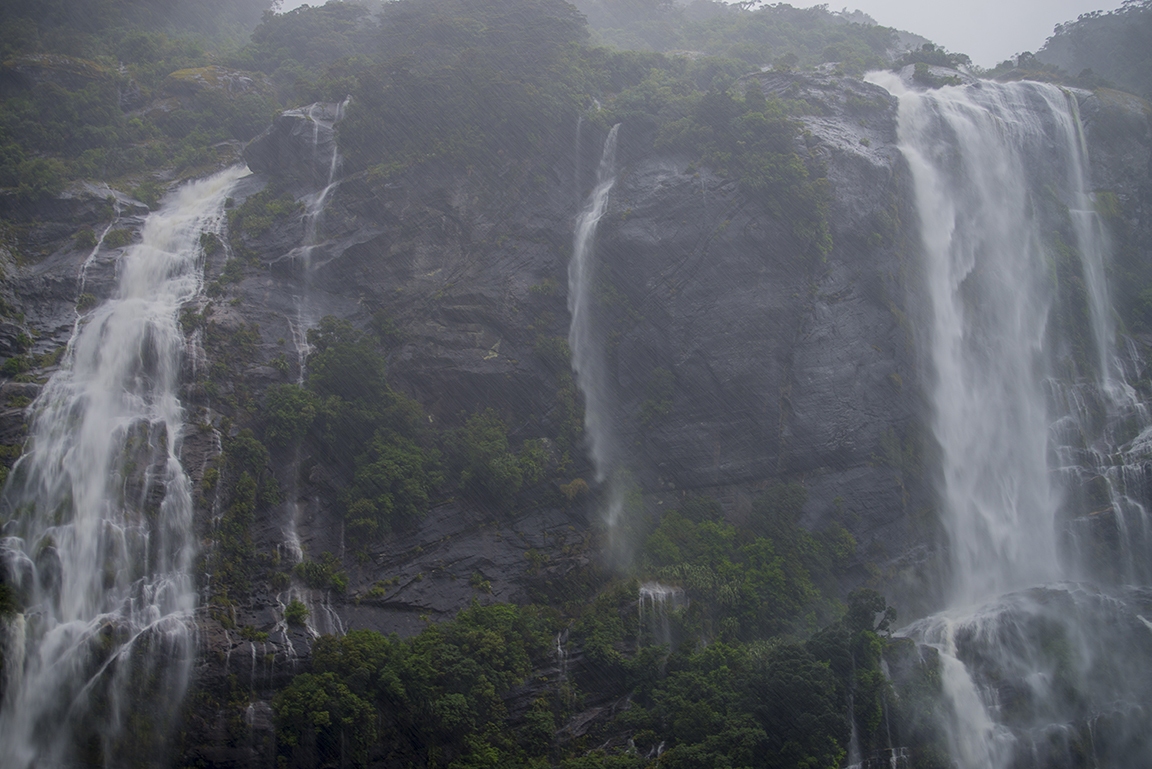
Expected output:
(442, 697)
(773, 34)
(1105, 47)
(434, 699)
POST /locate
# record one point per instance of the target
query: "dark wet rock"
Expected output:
(299, 145)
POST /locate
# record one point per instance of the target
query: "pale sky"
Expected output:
(987, 30)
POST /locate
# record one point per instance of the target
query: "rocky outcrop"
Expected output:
(300, 145)
(213, 78)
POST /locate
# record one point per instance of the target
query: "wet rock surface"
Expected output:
(786, 365)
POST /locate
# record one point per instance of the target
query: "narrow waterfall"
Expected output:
(98, 541)
(655, 602)
(323, 116)
(588, 353)
(1028, 393)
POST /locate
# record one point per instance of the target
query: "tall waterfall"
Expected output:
(98, 538)
(1028, 392)
(323, 117)
(588, 353)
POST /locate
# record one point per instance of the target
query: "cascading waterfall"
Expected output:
(588, 354)
(98, 540)
(1028, 391)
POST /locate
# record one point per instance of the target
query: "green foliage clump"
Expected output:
(309, 52)
(489, 466)
(85, 239)
(295, 613)
(326, 573)
(1106, 47)
(768, 577)
(392, 485)
(474, 84)
(751, 139)
(210, 243)
(376, 439)
(91, 65)
(38, 178)
(118, 238)
(250, 485)
(8, 602)
(437, 697)
(259, 212)
(775, 33)
(922, 74)
(929, 55)
(772, 706)
(149, 194)
(290, 411)
(16, 365)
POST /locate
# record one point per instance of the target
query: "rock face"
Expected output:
(785, 366)
(300, 145)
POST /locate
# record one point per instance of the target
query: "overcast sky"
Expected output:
(987, 30)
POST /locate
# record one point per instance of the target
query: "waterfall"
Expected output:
(1028, 391)
(98, 540)
(326, 116)
(654, 603)
(588, 354)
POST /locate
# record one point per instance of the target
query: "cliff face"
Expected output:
(768, 362)
(785, 366)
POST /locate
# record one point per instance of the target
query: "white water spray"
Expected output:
(98, 533)
(655, 604)
(1025, 372)
(588, 354)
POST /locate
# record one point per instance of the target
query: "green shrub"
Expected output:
(85, 239)
(118, 238)
(149, 193)
(323, 574)
(295, 613)
(489, 466)
(290, 412)
(40, 178)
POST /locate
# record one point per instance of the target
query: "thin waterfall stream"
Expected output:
(322, 116)
(589, 358)
(1040, 648)
(99, 541)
